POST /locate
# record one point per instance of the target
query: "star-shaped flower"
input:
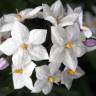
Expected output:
(9, 19)
(86, 31)
(67, 46)
(45, 79)
(25, 44)
(68, 75)
(22, 75)
(57, 16)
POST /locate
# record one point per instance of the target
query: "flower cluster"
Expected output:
(70, 40)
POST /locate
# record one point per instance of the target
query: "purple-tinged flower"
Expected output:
(3, 64)
(90, 42)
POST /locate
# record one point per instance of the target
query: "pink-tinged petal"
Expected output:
(90, 42)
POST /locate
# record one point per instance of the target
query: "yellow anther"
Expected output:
(70, 72)
(24, 46)
(19, 17)
(18, 71)
(68, 45)
(51, 79)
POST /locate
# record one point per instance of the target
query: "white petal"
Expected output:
(68, 20)
(66, 80)
(9, 18)
(54, 67)
(73, 32)
(33, 12)
(38, 52)
(79, 11)
(37, 36)
(8, 47)
(69, 9)
(58, 35)
(87, 32)
(21, 57)
(79, 72)
(38, 86)
(47, 89)
(52, 20)
(6, 27)
(79, 49)
(17, 58)
(28, 68)
(46, 10)
(57, 76)
(56, 54)
(70, 60)
(28, 83)
(20, 32)
(42, 72)
(58, 9)
(18, 81)
(25, 12)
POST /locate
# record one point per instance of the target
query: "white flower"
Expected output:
(25, 44)
(56, 14)
(68, 75)
(21, 75)
(86, 31)
(67, 46)
(9, 19)
(45, 79)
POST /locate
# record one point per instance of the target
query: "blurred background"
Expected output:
(86, 85)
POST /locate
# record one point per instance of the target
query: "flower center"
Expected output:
(18, 17)
(70, 72)
(57, 19)
(68, 45)
(51, 79)
(18, 71)
(24, 46)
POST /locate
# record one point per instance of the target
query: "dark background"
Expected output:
(85, 86)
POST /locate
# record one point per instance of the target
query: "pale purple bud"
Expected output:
(3, 64)
(90, 42)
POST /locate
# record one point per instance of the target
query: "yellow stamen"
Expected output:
(68, 45)
(51, 79)
(19, 17)
(70, 72)
(18, 71)
(24, 46)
